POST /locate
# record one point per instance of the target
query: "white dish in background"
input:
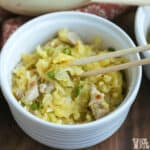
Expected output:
(37, 7)
(37, 31)
(142, 26)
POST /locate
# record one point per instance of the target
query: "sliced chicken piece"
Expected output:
(19, 94)
(69, 37)
(46, 88)
(97, 104)
(50, 87)
(32, 92)
(73, 38)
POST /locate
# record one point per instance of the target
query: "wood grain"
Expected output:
(137, 124)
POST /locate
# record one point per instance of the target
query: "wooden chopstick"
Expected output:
(118, 53)
(116, 67)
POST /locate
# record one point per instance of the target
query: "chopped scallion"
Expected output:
(51, 74)
(67, 51)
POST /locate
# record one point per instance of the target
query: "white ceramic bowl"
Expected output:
(37, 31)
(142, 26)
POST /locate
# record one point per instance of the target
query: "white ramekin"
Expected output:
(37, 31)
(142, 26)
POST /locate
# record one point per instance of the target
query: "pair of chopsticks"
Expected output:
(118, 53)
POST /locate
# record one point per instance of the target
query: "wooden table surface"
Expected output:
(137, 124)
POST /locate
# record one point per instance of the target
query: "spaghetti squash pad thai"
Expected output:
(51, 90)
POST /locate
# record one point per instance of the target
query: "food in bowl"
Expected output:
(46, 86)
